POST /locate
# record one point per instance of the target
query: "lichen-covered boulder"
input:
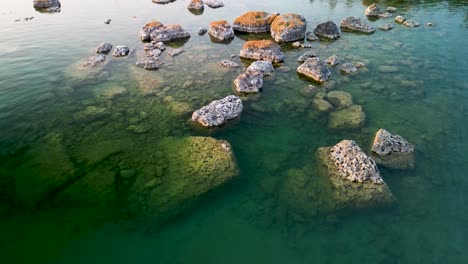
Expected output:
(373, 10)
(218, 112)
(214, 3)
(254, 22)
(261, 67)
(410, 23)
(121, 51)
(221, 30)
(249, 83)
(104, 48)
(145, 31)
(196, 5)
(262, 50)
(392, 151)
(400, 19)
(316, 69)
(355, 178)
(327, 30)
(349, 118)
(355, 24)
(288, 28)
(340, 99)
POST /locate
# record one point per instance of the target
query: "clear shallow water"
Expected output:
(248, 220)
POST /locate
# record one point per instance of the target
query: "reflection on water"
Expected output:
(79, 151)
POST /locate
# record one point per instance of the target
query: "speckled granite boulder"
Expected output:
(218, 112)
(316, 69)
(373, 10)
(261, 67)
(221, 30)
(349, 118)
(254, 22)
(213, 3)
(146, 30)
(249, 83)
(196, 5)
(169, 33)
(288, 28)
(355, 178)
(104, 48)
(262, 50)
(327, 30)
(392, 151)
(355, 24)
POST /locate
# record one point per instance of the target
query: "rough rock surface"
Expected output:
(340, 99)
(145, 31)
(249, 83)
(169, 33)
(288, 28)
(229, 64)
(321, 105)
(218, 112)
(373, 10)
(327, 30)
(348, 68)
(392, 151)
(306, 56)
(46, 3)
(254, 22)
(316, 69)
(386, 26)
(355, 178)
(333, 60)
(221, 30)
(352, 117)
(262, 50)
(104, 48)
(400, 19)
(410, 23)
(196, 5)
(261, 67)
(121, 51)
(214, 3)
(311, 36)
(356, 24)
(94, 60)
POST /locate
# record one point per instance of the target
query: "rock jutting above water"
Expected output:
(249, 82)
(213, 3)
(400, 19)
(218, 112)
(410, 23)
(104, 48)
(146, 30)
(202, 31)
(254, 22)
(94, 60)
(386, 26)
(169, 33)
(373, 10)
(333, 60)
(262, 50)
(356, 24)
(221, 30)
(121, 51)
(51, 5)
(305, 56)
(261, 67)
(288, 28)
(392, 151)
(354, 176)
(311, 36)
(348, 118)
(316, 69)
(327, 30)
(196, 5)
(391, 9)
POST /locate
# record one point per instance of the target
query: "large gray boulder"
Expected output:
(316, 69)
(355, 24)
(373, 10)
(218, 112)
(221, 30)
(392, 151)
(262, 50)
(288, 28)
(249, 83)
(327, 30)
(254, 22)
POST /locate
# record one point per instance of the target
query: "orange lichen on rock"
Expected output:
(254, 22)
(153, 24)
(259, 44)
(221, 23)
(288, 27)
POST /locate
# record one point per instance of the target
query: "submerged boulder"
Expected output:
(348, 68)
(221, 30)
(218, 112)
(356, 24)
(262, 50)
(254, 22)
(288, 28)
(327, 30)
(316, 69)
(386, 26)
(196, 5)
(104, 48)
(373, 10)
(340, 99)
(355, 178)
(214, 3)
(348, 118)
(392, 151)
(249, 83)
(229, 64)
(94, 60)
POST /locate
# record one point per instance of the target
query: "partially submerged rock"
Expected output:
(104, 48)
(392, 9)
(327, 30)
(249, 83)
(121, 51)
(145, 31)
(315, 69)
(311, 36)
(386, 26)
(410, 23)
(229, 64)
(288, 28)
(221, 30)
(400, 19)
(348, 68)
(340, 99)
(355, 178)
(169, 33)
(218, 112)
(262, 50)
(392, 151)
(51, 5)
(261, 67)
(94, 60)
(305, 56)
(196, 5)
(254, 22)
(356, 24)
(214, 3)
(333, 60)
(373, 10)
(349, 118)
(163, 2)
(176, 52)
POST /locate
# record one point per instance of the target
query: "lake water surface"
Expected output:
(423, 97)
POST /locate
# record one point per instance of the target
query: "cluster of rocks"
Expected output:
(374, 11)
(252, 80)
(51, 6)
(155, 31)
(150, 61)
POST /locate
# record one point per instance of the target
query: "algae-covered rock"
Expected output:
(392, 151)
(355, 178)
(340, 99)
(149, 83)
(90, 69)
(254, 22)
(91, 113)
(352, 117)
(321, 106)
(288, 28)
(47, 169)
(262, 50)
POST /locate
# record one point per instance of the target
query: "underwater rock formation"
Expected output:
(327, 30)
(218, 112)
(94, 60)
(355, 24)
(315, 69)
(221, 30)
(288, 28)
(254, 22)
(348, 68)
(229, 64)
(352, 117)
(392, 151)
(340, 99)
(262, 50)
(386, 26)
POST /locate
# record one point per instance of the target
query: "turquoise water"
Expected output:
(250, 220)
